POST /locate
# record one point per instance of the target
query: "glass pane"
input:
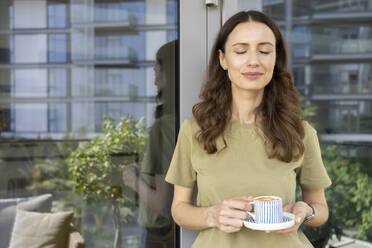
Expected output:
(6, 51)
(344, 116)
(342, 39)
(120, 82)
(274, 8)
(330, 47)
(339, 6)
(75, 77)
(30, 83)
(30, 14)
(57, 48)
(57, 14)
(58, 78)
(301, 41)
(120, 46)
(299, 78)
(23, 54)
(342, 79)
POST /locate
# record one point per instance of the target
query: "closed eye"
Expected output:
(264, 52)
(240, 52)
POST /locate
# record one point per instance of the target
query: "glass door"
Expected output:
(88, 113)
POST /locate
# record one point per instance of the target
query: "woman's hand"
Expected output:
(230, 214)
(300, 209)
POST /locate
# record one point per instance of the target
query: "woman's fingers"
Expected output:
(299, 210)
(227, 221)
(232, 213)
(242, 203)
(229, 229)
(288, 208)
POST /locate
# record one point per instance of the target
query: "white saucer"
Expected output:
(288, 221)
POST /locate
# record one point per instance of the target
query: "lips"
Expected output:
(252, 75)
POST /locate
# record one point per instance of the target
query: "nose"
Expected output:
(252, 59)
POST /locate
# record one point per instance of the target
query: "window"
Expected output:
(57, 17)
(57, 48)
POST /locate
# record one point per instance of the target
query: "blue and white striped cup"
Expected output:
(267, 210)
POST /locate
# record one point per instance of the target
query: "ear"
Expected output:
(222, 59)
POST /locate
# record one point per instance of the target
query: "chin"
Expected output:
(252, 86)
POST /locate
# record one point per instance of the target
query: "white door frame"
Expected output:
(199, 25)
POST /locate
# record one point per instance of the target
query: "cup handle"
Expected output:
(251, 214)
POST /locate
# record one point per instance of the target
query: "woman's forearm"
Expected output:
(194, 218)
(158, 199)
(321, 214)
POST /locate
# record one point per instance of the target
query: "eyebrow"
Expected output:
(246, 44)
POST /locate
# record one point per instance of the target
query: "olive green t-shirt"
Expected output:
(156, 161)
(243, 168)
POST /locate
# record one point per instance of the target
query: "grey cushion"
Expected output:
(8, 210)
(35, 230)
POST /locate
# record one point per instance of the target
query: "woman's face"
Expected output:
(249, 56)
(159, 79)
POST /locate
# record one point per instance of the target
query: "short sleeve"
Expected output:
(159, 148)
(180, 171)
(312, 174)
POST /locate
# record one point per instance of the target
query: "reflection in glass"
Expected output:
(302, 8)
(30, 83)
(57, 50)
(131, 12)
(63, 65)
(120, 82)
(30, 14)
(6, 118)
(57, 14)
(6, 15)
(345, 116)
(172, 16)
(120, 46)
(301, 40)
(57, 82)
(275, 9)
(81, 78)
(342, 79)
(82, 44)
(57, 117)
(332, 6)
(26, 114)
(342, 38)
(23, 53)
(117, 110)
(154, 193)
(6, 49)
(5, 82)
(82, 119)
(299, 79)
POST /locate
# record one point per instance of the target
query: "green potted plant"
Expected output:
(96, 166)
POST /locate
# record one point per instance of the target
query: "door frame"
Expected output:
(198, 26)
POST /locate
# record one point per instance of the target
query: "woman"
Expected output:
(247, 138)
(148, 181)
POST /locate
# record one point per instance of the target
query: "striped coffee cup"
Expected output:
(267, 210)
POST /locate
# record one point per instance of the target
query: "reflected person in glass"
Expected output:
(148, 181)
(247, 138)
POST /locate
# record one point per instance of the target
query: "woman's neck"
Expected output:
(244, 104)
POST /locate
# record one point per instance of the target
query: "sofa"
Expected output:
(29, 223)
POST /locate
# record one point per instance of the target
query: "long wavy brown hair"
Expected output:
(279, 112)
